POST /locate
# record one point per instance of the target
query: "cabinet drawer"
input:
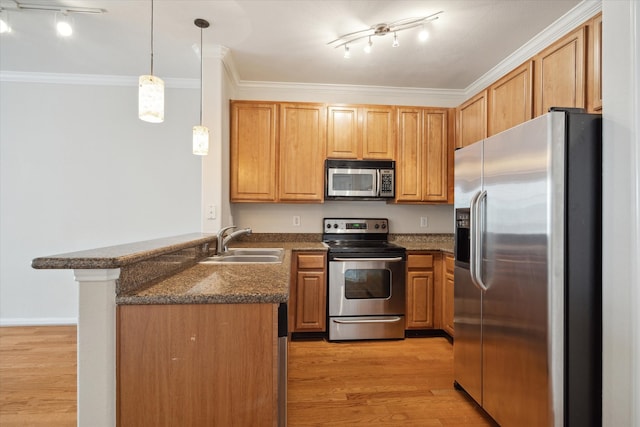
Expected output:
(420, 261)
(448, 263)
(311, 261)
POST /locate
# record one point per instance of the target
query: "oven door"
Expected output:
(366, 286)
(352, 183)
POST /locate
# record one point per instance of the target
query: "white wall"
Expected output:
(278, 218)
(79, 170)
(621, 213)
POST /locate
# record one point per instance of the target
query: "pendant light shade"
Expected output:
(200, 140)
(151, 99)
(200, 132)
(151, 92)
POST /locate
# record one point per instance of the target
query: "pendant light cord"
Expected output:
(201, 88)
(152, 37)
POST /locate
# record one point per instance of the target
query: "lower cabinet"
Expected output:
(308, 292)
(420, 308)
(447, 295)
(197, 364)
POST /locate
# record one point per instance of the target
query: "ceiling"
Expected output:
(280, 41)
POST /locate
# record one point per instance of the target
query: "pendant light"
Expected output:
(151, 92)
(201, 133)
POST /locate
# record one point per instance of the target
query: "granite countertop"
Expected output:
(225, 284)
(167, 270)
(123, 255)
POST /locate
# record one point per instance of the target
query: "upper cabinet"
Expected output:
(422, 164)
(302, 136)
(509, 99)
(253, 151)
(361, 132)
(560, 73)
(277, 151)
(594, 71)
(472, 120)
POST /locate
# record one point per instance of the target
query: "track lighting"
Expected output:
(4, 22)
(424, 34)
(201, 133)
(367, 48)
(151, 92)
(63, 15)
(382, 30)
(64, 25)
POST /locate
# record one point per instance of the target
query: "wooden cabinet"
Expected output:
(302, 136)
(420, 291)
(594, 71)
(510, 99)
(560, 73)
(422, 166)
(361, 132)
(308, 292)
(277, 151)
(253, 151)
(447, 295)
(471, 120)
(201, 364)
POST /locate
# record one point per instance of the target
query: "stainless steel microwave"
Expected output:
(359, 179)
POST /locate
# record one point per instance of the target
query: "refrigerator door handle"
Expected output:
(473, 237)
(480, 210)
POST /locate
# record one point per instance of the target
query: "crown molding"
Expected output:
(385, 91)
(562, 26)
(90, 79)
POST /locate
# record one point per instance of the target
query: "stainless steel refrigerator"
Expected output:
(528, 344)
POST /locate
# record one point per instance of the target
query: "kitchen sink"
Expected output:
(247, 256)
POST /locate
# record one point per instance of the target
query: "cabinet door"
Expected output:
(308, 292)
(420, 299)
(472, 120)
(409, 163)
(253, 152)
(447, 296)
(342, 133)
(302, 136)
(434, 142)
(510, 101)
(197, 365)
(378, 132)
(311, 302)
(560, 74)
(594, 85)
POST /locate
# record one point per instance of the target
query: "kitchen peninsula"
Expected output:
(133, 296)
(150, 315)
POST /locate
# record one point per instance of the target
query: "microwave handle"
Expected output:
(378, 182)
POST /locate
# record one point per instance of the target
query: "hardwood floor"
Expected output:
(38, 376)
(377, 383)
(372, 383)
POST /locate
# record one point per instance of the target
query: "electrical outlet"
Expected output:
(423, 221)
(296, 221)
(211, 212)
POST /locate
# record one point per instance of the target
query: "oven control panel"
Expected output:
(355, 225)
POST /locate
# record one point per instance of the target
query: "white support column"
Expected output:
(97, 347)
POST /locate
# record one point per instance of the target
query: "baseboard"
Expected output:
(39, 321)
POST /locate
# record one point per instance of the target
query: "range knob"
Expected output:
(376, 226)
(328, 225)
(384, 225)
(335, 225)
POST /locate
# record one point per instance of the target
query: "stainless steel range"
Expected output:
(366, 280)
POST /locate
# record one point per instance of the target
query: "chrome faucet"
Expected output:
(224, 241)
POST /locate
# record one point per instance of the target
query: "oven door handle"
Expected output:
(376, 320)
(396, 259)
